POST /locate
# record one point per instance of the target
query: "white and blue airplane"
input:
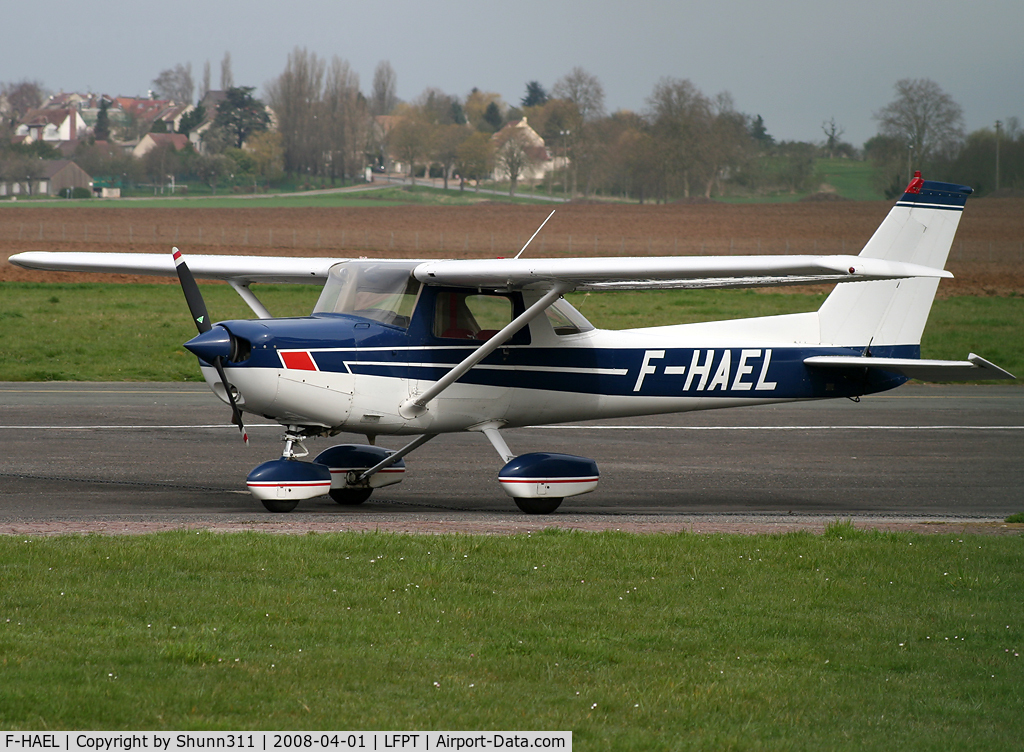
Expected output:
(423, 348)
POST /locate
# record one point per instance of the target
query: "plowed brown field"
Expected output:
(987, 255)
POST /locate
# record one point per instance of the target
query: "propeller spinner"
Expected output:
(207, 340)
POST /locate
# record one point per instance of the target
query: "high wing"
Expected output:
(609, 273)
(664, 272)
(243, 270)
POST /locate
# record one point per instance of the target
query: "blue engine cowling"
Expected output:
(548, 474)
(344, 458)
(284, 480)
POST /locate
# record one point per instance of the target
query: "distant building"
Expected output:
(51, 126)
(50, 177)
(152, 140)
(542, 161)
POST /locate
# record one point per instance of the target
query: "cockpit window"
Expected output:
(470, 315)
(378, 290)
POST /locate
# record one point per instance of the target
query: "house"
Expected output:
(51, 125)
(152, 140)
(51, 177)
(541, 160)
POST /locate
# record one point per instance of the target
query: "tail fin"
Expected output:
(919, 230)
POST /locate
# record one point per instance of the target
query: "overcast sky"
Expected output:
(794, 62)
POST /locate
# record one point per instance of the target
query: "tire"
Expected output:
(538, 506)
(349, 497)
(280, 505)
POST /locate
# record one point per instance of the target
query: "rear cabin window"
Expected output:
(566, 320)
(472, 316)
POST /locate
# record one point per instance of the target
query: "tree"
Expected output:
(515, 155)
(21, 97)
(101, 131)
(832, 133)
(475, 157)
(175, 84)
(583, 90)
(267, 155)
(345, 121)
(681, 118)
(760, 134)
(240, 114)
(476, 105)
(536, 96)
(159, 163)
(924, 118)
(383, 98)
(295, 96)
(191, 120)
(410, 139)
(446, 147)
(210, 169)
(204, 87)
(227, 78)
(493, 118)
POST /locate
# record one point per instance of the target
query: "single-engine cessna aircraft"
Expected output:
(421, 348)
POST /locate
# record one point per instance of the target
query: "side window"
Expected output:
(472, 316)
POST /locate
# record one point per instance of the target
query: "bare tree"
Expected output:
(446, 147)
(344, 120)
(205, 85)
(20, 97)
(383, 98)
(227, 78)
(175, 84)
(681, 119)
(833, 133)
(411, 138)
(923, 117)
(583, 90)
(515, 155)
(295, 97)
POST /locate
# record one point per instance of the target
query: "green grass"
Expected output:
(842, 641)
(852, 179)
(112, 332)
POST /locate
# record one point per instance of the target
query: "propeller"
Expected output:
(201, 318)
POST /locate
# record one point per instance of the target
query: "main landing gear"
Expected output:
(537, 482)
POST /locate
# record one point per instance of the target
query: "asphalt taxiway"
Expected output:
(78, 451)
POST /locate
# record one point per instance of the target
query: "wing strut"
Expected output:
(242, 288)
(417, 405)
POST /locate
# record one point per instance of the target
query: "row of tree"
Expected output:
(683, 144)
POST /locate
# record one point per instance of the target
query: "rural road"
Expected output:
(81, 457)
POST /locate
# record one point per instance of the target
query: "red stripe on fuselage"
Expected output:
(298, 361)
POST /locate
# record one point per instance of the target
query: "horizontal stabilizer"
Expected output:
(975, 368)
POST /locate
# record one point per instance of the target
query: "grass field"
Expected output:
(111, 332)
(842, 641)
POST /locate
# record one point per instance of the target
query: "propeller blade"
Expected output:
(236, 414)
(194, 299)
(197, 307)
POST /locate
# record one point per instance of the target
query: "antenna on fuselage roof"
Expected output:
(535, 234)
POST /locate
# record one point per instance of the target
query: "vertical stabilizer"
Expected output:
(919, 230)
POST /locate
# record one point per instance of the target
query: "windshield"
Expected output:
(381, 290)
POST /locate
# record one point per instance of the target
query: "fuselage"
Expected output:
(351, 372)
